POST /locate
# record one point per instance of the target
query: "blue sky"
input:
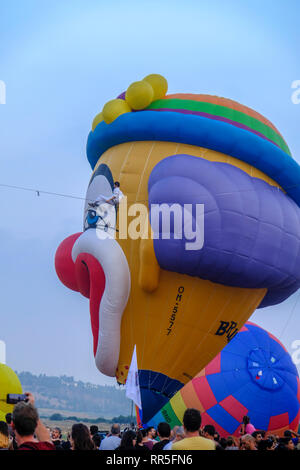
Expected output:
(61, 61)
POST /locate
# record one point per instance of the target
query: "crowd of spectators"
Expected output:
(23, 430)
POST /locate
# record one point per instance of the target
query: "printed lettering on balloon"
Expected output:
(228, 328)
(175, 309)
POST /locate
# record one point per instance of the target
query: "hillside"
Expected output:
(64, 393)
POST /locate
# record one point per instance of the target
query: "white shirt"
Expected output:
(118, 193)
(110, 443)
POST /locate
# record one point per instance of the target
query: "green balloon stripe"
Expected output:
(169, 416)
(225, 112)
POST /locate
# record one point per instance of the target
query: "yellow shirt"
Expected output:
(194, 443)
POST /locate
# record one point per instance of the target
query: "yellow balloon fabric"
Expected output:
(113, 109)
(154, 292)
(159, 85)
(9, 383)
(139, 95)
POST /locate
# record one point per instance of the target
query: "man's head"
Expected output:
(117, 184)
(115, 429)
(56, 434)
(209, 431)
(257, 436)
(192, 420)
(93, 429)
(164, 430)
(286, 443)
(151, 432)
(248, 442)
(25, 419)
(178, 433)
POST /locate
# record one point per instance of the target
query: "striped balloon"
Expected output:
(254, 375)
(222, 109)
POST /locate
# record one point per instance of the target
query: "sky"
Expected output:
(61, 61)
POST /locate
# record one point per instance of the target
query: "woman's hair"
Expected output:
(127, 440)
(143, 433)
(139, 438)
(4, 435)
(246, 419)
(81, 438)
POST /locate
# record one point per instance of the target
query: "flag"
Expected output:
(132, 383)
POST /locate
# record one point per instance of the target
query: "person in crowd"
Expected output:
(8, 419)
(230, 444)
(81, 438)
(112, 441)
(149, 441)
(164, 434)
(151, 431)
(258, 436)
(145, 439)
(128, 441)
(248, 442)
(246, 426)
(141, 435)
(266, 444)
(193, 440)
(223, 442)
(209, 432)
(178, 435)
(66, 445)
(4, 436)
(56, 437)
(26, 425)
(285, 444)
(293, 435)
(95, 435)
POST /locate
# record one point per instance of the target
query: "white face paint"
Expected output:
(98, 240)
(113, 261)
(99, 214)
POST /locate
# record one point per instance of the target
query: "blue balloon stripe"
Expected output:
(203, 132)
(223, 418)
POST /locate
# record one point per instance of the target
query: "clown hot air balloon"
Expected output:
(253, 375)
(181, 289)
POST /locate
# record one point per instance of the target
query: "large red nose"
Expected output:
(85, 276)
(64, 265)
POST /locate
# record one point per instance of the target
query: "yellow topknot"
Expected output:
(139, 95)
(113, 109)
(159, 85)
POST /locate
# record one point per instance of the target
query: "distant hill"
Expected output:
(64, 393)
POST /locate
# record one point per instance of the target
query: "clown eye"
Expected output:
(92, 217)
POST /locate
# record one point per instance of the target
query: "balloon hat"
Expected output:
(181, 306)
